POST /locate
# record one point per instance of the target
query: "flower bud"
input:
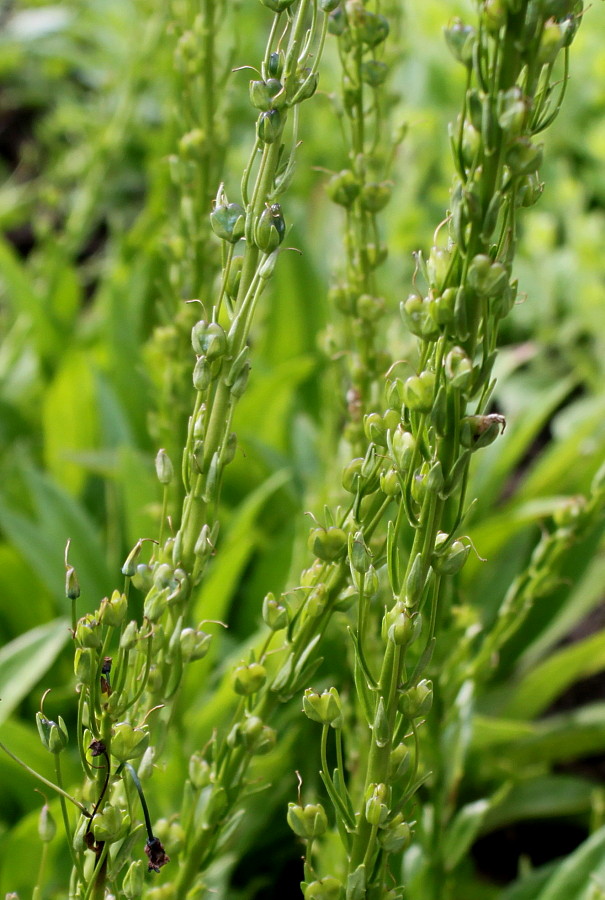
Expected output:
(417, 700)
(324, 708)
(486, 277)
(450, 561)
(270, 228)
(275, 64)
(275, 613)
(343, 188)
(458, 368)
(129, 567)
(373, 28)
(264, 94)
(400, 625)
(438, 266)
(328, 544)
(374, 72)
(360, 557)
(494, 14)
(375, 195)
(110, 824)
(143, 577)
(316, 602)
(416, 314)
(72, 585)
(378, 798)
(480, 431)
(88, 633)
(83, 664)
(195, 644)
(309, 821)
(270, 126)
(460, 39)
(200, 771)
(113, 611)
(208, 339)
(128, 742)
(399, 762)
(257, 737)
(389, 483)
(370, 308)
(523, 157)
(249, 679)
(401, 447)
(228, 222)
(441, 306)
(130, 636)
(304, 86)
(552, 40)
(134, 881)
(328, 888)
(395, 836)
(375, 429)
(47, 827)
(418, 391)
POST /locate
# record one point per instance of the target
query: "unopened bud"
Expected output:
(309, 821)
(324, 708)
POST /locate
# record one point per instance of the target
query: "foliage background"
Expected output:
(87, 211)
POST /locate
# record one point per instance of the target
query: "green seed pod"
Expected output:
(200, 771)
(487, 278)
(128, 742)
(370, 308)
(134, 881)
(402, 446)
(389, 483)
(554, 35)
(328, 888)
(72, 585)
(416, 315)
(418, 484)
(202, 374)
(228, 222)
(494, 15)
(523, 157)
(113, 611)
(471, 143)
(360, 557)
(129, 567)
(234, 277)
(111, 824)
(257, 738)
(275, 613)
(529, 190)
(458, 368)
(277, 5)
(337, 22)
(195, 644)
(375, 195)
(249, 679)
(381, 732)
(274, 66)
(270, 228)
(327, 544)
(441, 307)
(238, 387)
(146, 766)
(343, 188)
(460, 39)
(303, 87)
(324, 708)
(316, 602)
(53, 735)
(47, 827)
(480, 431)
(399, 762)
(512, 110)
(373, 28)
(83, 665)
(270, 126)
(328, 6)
(417, 700)
(309, 821)
(88, 633)
(143, 577)
(418, 391)
(130, 636)
(416, 580)
(264, 95)
(374, 428)
(377, 803)
(400, 625)
(450, 561)
(351, 475)
(374, 72)
(395, 836)
(209, 339)
(438, 266)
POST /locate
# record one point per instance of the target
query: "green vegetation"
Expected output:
(277, 260)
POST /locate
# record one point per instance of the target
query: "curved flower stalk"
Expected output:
(437, 419)
(362, 190)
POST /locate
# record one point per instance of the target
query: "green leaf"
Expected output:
(538, 798)
(26, 659)
(574, 878)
